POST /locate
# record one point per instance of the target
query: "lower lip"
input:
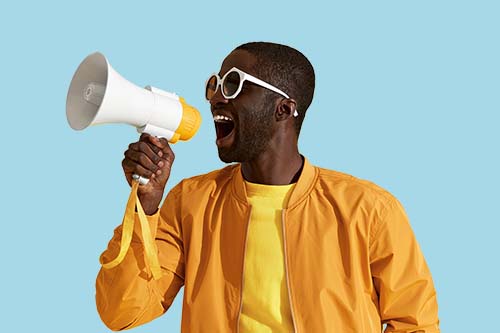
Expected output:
(226, 141)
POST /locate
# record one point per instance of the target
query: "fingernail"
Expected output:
(160, 153)
(160, 164)
(158, 172)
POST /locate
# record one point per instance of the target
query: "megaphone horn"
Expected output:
(98, 95)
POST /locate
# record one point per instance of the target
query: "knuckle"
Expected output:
(138, 170)
(155, 149)
(142, 159)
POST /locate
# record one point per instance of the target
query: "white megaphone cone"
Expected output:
(98, 95)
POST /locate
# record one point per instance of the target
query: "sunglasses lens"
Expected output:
(211, 87)
(231, 84)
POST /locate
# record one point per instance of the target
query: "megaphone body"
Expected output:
(98, 95)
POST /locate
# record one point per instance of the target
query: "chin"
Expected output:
(243, 151)
(226, 156)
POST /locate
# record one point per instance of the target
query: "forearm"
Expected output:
(126, 295)
(126, 299)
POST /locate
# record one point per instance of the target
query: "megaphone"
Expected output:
(98, 95)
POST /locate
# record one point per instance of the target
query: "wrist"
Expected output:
(148, 212)
(150, 201)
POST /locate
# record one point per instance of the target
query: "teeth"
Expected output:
(221, 117)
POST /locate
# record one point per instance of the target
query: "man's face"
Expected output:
(250, 126)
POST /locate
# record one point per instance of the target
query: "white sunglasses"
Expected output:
(232, 82)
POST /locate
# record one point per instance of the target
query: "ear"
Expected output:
(285, 109)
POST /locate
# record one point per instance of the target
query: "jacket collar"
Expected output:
(301, 190)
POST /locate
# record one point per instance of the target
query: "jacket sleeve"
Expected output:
(127, 295)
(407, 298)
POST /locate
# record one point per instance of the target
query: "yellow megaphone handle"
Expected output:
(128, 230)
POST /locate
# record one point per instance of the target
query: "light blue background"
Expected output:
(407, 96)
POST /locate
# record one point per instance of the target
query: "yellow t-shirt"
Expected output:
(266, 306)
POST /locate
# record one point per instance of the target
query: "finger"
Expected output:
(155, 141)
(131, 167)
(142, 159)
(162, 143)
(168, 153)
(152, 152)
(169, 159)
(156, 149)
(144, 137)
(158, 142)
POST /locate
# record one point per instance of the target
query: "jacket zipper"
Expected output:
(286, 269)
(243, 270)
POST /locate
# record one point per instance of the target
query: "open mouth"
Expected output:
(223, 126)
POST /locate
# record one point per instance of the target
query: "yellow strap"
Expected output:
(149, 243)
(127, 231)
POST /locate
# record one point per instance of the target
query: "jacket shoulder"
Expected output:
(353, 186)
(204, 183)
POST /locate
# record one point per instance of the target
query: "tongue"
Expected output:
(223, 128)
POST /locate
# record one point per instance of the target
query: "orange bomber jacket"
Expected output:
(351, 259)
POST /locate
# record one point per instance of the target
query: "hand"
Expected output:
(152, 158)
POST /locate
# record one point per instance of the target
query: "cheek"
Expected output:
(253, 112)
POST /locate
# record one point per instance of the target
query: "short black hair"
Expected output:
(287, 69)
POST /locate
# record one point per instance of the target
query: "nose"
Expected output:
(218, 98)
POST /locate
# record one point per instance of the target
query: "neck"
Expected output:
(274, 167)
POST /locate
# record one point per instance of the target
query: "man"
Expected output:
(271, 243)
